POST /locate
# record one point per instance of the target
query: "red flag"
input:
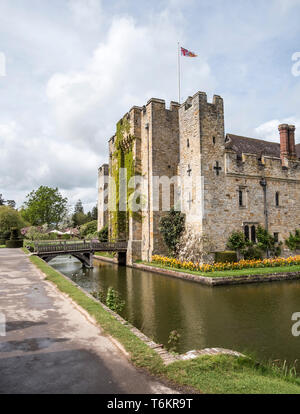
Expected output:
(187, 53)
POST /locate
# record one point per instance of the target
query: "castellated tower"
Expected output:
(201, 167)
(146, 144)
(180, 156)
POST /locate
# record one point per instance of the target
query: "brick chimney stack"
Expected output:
(284, 141)
(287, 142)
(292, 147)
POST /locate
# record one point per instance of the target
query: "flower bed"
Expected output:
(219, 267)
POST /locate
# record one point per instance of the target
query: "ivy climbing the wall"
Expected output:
(122, 158)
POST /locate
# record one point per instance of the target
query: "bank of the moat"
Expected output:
(252, 318)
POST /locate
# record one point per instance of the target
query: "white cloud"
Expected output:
(75, 67)
(86, 12)
(133, 64)
(43, 161)
(269, 130)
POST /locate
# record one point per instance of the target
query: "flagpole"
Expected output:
(179, 75)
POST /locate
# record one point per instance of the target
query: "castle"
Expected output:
(223, 183)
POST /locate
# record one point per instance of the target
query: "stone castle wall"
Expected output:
(160, 158)
(188, 141)
(246, 175)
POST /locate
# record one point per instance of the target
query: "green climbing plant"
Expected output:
(114, 301)
(172, 226)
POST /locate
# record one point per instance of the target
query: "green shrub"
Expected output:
(52, 236)
(92, 236)
(103, 235)
(37, 233)
(266, 242)
(66, 237)
(9, 218)
(226, 257)
(172, 226)
(2, 242)
(114, 301)
(14, 244)
(236, 241)
(88, 228)
(29, 245)
(6, 235)
(293, 242)
(14, 233)
(253, 253)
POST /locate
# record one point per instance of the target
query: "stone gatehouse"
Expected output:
(222, 182)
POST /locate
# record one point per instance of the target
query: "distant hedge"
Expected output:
(14, 244)
(226, 257)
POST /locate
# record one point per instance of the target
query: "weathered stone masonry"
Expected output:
(189, 141)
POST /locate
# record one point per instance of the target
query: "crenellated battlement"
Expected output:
(251, 165)
(155, 101)
(200, 98)
(244, 181)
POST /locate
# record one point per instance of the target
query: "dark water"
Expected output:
(253, 318)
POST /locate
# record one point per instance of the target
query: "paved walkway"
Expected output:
(51, 347)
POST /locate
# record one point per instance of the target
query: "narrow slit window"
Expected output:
(253, 234)
(277, 199)
(241, 198)
(246, 231)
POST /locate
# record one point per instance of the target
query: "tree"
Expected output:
(67, 222)
(78, 207)
(88, 228)
(171, 227)
(10, 218)
(95, 213)
(293, 242)
(11, 203)
(79, 218)
(237, 242)
(45, 206)
(103, 234)
(266, 242)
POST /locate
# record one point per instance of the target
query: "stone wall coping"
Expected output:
(221, 281)
(138, 108)
(156, 100)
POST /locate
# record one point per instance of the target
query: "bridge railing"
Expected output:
(79, 246)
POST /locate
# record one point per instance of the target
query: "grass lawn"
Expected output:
(207, 374)
(2, 247)
(231, 273)
(105, 254)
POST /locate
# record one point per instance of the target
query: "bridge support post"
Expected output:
(134, 251)
(87, 260)
(121, 256)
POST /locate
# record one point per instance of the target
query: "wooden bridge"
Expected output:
(82, 250)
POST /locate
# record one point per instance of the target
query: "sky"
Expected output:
(73, 68)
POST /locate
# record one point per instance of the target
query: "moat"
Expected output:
(249, 318)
